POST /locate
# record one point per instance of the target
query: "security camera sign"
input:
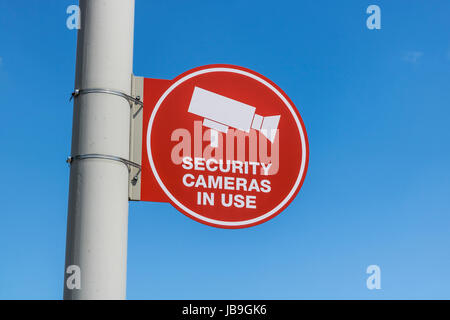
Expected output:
(223, 144)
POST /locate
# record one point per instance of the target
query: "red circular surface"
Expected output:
(172, 114)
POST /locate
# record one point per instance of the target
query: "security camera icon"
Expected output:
(220, 113)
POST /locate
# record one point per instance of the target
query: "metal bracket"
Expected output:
(136, 100)
(136, 122)
(102, 156)
(128, 163)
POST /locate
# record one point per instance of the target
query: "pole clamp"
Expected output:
(128, 163)
(136, 100)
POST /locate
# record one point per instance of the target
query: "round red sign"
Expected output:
(227, 146)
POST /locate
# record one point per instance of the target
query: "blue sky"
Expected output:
(376, 107)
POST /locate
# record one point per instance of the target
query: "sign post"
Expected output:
(97, 224)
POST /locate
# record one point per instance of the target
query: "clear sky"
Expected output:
(376, 105)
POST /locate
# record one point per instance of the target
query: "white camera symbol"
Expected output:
(220, 113)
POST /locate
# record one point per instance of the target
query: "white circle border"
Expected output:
(189, 211)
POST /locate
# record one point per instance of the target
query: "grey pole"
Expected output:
(97, 224)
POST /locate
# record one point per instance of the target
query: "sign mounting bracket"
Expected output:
(136, 122)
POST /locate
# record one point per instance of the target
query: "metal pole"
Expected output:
(97, 224)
